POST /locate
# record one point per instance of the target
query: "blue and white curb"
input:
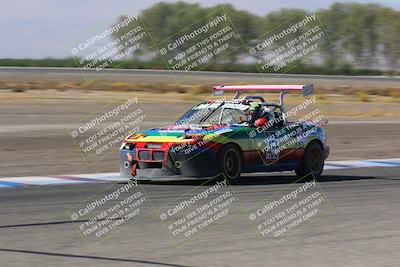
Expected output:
(353, 164)
(60, 179)
(114, 176)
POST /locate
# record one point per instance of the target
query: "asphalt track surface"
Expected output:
(362, 229)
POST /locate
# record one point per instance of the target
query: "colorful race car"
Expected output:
(242, 135)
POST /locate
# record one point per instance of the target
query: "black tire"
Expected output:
(230, 162)
(312, 163)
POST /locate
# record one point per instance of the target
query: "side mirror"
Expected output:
(261, 122)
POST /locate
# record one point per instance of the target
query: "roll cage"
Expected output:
(283, 89)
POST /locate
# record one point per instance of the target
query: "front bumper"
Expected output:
(177, 165)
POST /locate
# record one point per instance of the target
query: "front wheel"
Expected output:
(230, 162)
(312, 162)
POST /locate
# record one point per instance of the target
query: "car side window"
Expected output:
(233, 116)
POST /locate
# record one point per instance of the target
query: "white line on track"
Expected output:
(7, 182)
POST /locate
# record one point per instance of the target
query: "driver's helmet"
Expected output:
(267, 113)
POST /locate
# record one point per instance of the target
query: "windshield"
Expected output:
(216, 113)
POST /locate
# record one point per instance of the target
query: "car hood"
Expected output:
(178, 134)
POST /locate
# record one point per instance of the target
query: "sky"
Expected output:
(51, 28)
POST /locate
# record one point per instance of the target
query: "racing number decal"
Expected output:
(272, 148)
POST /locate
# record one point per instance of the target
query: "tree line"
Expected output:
(364, 36)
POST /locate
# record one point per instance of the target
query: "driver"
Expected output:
(267, 113)
(265, 117)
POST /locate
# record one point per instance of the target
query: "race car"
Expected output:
(230, 137)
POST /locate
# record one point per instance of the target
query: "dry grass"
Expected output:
(362, 96)
(193, 91)
(123, 86)
(199, 89)
(340, 106)
(395, 95)
(323, 98)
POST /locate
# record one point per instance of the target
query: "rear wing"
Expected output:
(305, 89)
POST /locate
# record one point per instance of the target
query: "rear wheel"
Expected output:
(230, 162)
(312, 163)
